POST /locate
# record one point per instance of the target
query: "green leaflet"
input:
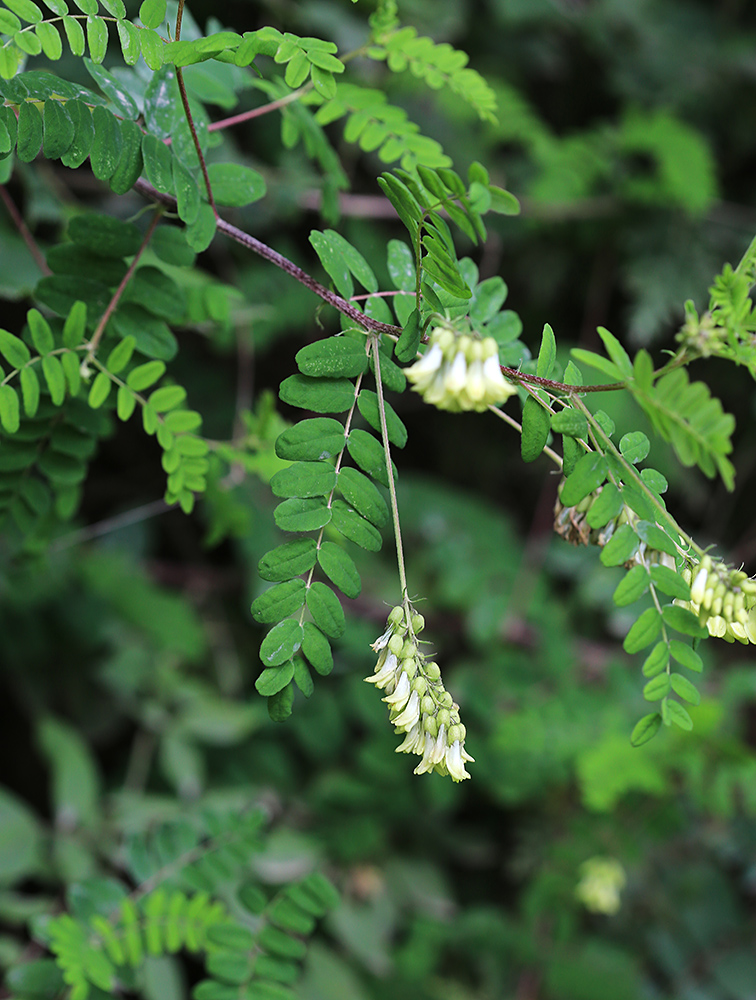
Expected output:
(304, 479)
(321, 395)
(367, 404)
(645, 729)
(657, 659)
(187, 192)
(605, 507)
(683, 621)
(30, 129)
(341, 260)
(546, 353)
(104, 235)
(685, 689)
(631, 587)
(337, 357)
(302, 515)
(317, 649)
(670, 583)
(643, 631)
(311, 440)
(129, 166)
(234, 184)
(288, 560)
(569, 421)
(354, 527)
(339, 567)
(685, 655)
(106, 146)
(392, 377)
(674, 712)
(536, 424)
(369, 454)
(409, 342)
(634, 446)
(589, 473)
(274, 678)
(326, 610)
(279, 601)
(363, 495)
(621, 546)
(58, 130)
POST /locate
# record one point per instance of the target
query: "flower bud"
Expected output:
(396, 644)
(418, 623)
(443, 717)
(409, 666)
(428, 705)
(396, 616)
(446, 700)
(408, 649)
(432, 671)
(420, 685)
(429, 725)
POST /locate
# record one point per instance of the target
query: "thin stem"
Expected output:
(188, 114)
(631, 472)
(23, 229)
(555, 458)
(561, 387)
(258, 247)
(94, 342)
(389, 470)
(264, 109)
(135, 516)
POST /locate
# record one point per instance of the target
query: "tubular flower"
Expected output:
(419, 705)
(459, 372)
(724, 600)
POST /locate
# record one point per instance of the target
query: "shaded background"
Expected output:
(129, 656)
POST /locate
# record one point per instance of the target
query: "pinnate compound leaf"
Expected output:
(279, 601)
(645, 729)
(304, 479)
(326, 610)
(280, 644)
(288, 560)
(339, 567)
(317, 649)
(334, 356)
(536, 424)
(355, 527)
(321, 395)
(631, 587)
(302, 514)
(643, 632)
(311, 440)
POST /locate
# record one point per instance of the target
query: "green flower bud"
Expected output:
(420, 685)
(408, 649)
(409, 666)
(396, 644)
(396, 616)
(427, 705)
(443, 718)
(446, 700)
(454, 733)
(430, 726)
(432, 671)
(418, 623)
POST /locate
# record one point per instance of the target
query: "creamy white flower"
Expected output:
(455, 763)
(411, 714)
(428, 364)
(414, 741)
(401, 695)
(456, 378)
(386, 673)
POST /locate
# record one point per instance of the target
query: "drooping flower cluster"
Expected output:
(602, 880)
(459, 372)
(419, 705)
(724, 600)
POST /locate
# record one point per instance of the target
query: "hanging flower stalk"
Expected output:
(419, 705)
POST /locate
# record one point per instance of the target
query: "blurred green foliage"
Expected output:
(129, 658)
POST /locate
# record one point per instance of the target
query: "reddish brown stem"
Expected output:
(188, 114)
(97, 337)
(24, 231)
(246, 116)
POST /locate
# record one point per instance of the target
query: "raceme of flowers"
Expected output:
(724, 600)
(419, 705)
(459, 372)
